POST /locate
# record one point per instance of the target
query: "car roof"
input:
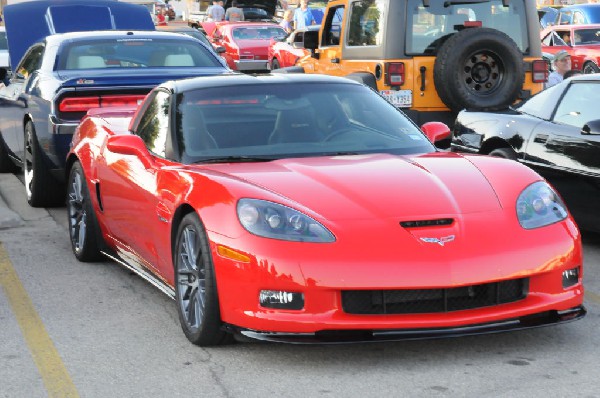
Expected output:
(238, 79)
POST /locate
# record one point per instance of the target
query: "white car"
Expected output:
(3, 49)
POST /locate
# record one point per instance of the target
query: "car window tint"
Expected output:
(284, 120)
(579, 104)
(332, 27)
(542, 105)
(154, 124)
(31, 61)
(430, 26)
(135, 53)
(365, 28)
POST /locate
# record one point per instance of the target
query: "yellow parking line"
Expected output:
(593, 297)
(56, 379)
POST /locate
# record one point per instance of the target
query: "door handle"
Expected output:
(335, 60)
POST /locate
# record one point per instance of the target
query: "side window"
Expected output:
(332, 27)
(578, 18)
(31, 61)
(579, 105)
(299, 39)
(154, 124)
(366, 20)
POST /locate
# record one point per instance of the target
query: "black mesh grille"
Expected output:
(417, 301)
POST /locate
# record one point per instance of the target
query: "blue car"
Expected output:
(62, 74)
(578, 14)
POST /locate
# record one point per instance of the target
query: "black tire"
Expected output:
(365, 78)
(83, 227)
(41, 188)
(506, 153)
(479, 69)
(6, 163)
(275, 64)
(590, 67)
(195, 285)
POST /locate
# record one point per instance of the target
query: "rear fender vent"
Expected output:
(440, 222)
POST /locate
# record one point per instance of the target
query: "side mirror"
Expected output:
(220, 49)
(591, 128)
(436, 131)
(127, 144)
(311, 39)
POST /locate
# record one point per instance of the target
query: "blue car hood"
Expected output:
(30, 22)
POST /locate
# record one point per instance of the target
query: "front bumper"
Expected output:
(371, 336)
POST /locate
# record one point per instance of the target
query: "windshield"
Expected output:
(291, 120)
(430, 26)
(258, 32)
(135, 53)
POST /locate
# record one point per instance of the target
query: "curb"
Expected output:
(8, 218)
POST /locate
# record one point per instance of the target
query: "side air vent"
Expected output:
(427, 223)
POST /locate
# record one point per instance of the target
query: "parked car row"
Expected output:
(285, 207)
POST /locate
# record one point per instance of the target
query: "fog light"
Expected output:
(570, 277)
(281, 300)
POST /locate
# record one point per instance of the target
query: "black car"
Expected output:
(556, 132)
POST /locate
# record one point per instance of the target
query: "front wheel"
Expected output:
(506, 153)
(195, 285)
(41, 188)
(275, 64)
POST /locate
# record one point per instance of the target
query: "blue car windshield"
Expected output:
(135, 53)
(274, 121)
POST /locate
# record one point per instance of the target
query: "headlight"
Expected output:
(272, 220)
(539, 205)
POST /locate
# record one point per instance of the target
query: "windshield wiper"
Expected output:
(235, 159)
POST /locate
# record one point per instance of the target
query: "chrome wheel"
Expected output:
(77, 213)
(191, 279)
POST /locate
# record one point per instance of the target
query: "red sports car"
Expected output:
(582, 42)
(306, 208)
(246, 43)
(284, 52)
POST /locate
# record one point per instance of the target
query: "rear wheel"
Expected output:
(195, 285)
(590, 67)
(83, 229)
(41, 188)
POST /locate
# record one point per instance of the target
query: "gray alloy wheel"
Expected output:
(195, 286)
(82, 222)
(41, 188)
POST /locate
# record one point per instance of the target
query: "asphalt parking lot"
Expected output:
(95, 330)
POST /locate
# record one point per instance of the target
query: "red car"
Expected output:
(246, 43)
(582, 42)
(307, 208)
(284, 52)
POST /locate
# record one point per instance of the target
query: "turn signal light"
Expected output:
(395, 73)
(539, 71)
(281, 300)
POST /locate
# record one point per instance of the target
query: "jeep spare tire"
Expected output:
(479, 69)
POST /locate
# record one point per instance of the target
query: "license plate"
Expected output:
(399, 98)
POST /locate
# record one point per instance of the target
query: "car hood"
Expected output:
(30, 22)
(267, 5)
(374, 186)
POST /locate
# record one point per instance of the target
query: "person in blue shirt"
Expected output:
(303, 17)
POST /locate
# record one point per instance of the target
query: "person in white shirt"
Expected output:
(561, 63)
(215, 12)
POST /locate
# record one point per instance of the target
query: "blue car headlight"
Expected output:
(539, 205)
(272, 220)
